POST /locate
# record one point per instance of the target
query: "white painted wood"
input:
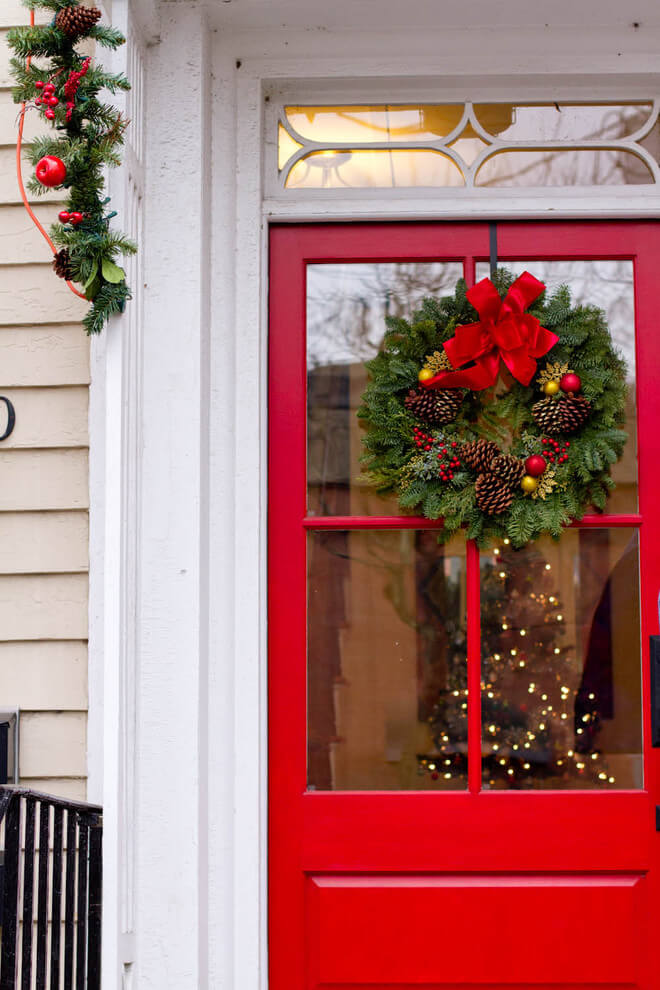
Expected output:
(52, 606)
(44, 479)
(43, 542)
(53, 744)
(9, 112)
(46, 417)
(43, 355)
(44, 676)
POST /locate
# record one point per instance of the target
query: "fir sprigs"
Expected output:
(495, 430)
(87, 136)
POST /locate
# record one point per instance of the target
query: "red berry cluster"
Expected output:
(75, 218)
(448, 461)
(422, 440)
(71, 87)
(554, 451)
(47, 101)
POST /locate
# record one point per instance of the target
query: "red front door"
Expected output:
(451, 806)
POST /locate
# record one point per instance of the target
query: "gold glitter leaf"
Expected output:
(547, 482)
(553, 372)
(437, 362)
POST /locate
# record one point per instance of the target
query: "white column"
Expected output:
(171, 929)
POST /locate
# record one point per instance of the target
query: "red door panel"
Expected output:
(481, 888)
(411, 930)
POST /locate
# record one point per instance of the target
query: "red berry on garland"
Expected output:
(49, 114)
(38, 101)
(53, 101)
(39, 84)
(50, 170)
(570, 383)
(64, 216)
(535, 465)
(76, 218)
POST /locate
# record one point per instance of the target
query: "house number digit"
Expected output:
(11, 417)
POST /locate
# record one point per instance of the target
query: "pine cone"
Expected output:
(564, 415)
(508, 468)
(75, 22)
(493, 495)
(547, 415)
(434, 406)
(574, 410)
(478, 454)
(62, 264)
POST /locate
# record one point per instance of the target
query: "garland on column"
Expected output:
(62, 85)
(497, 419)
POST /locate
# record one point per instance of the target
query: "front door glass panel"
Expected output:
(387, 668)
(560, 667)
(347, 306)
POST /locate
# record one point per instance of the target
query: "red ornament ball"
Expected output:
(49, 114)
(535, 465)
(53, 101)
(50, 170)
(64, 216)
(39, 84)
(75, 217)
(570, 383)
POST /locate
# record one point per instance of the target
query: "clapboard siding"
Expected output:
(48, 676)
(43, 355)
(44, 488)
(43, 479)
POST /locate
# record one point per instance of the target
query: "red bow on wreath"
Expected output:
(504, 331)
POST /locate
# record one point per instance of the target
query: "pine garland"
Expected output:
(576, 481)
(87, 137)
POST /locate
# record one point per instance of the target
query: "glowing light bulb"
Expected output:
(523, 632)
(557, 650)
(547, 567)
(496, 551)
(552, 599)
(514, 653)
(504, 625)
(602, 776)
(591, 697)
(544, 697)
(502, 574)
(507, 540)
(521, 663)
(526, 766)
(564, 715)
(431, 766)
(560, 618)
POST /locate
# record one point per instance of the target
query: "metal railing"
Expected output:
(51, 892)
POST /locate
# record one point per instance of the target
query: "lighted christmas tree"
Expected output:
(539, 725)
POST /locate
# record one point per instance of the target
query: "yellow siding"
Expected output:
(44, 370)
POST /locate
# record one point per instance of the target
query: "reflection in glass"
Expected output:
(565, 121)
(346, 310)
(387, 671)
(377, 168)
(374, 123)
(540, 145)
(550, 167)
(609, 286)
(561, 668)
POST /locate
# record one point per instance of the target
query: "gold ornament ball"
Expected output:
(551, 388)
(529, 484)
(425, 375)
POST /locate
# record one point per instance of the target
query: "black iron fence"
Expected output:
(51, 892)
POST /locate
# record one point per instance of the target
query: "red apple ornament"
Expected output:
(570, 382)
(535, 465)
(50, 171)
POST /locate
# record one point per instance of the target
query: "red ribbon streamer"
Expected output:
(504, 331)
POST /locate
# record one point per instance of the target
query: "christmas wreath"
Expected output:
(496, 410)
(60, 84)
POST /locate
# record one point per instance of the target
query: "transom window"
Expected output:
(467, 145)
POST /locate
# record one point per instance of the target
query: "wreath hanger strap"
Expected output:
(504, 332)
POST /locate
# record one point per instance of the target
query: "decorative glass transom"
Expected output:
(469, 145)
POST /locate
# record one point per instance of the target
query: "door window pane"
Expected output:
(561, 669)
(609, 286)
(387, 670)
(346, 310)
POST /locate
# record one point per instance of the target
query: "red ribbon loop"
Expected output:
(504, 332)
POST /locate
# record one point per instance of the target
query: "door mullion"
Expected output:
(473, 597)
